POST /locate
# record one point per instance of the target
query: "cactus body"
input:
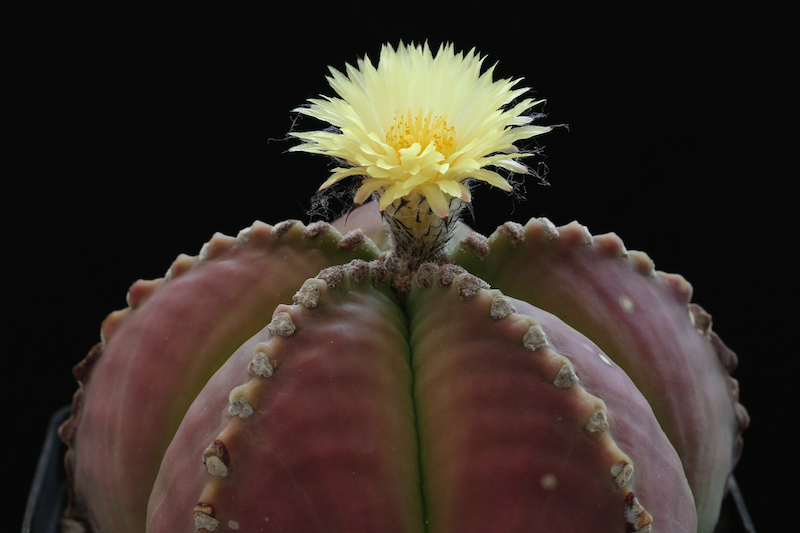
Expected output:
(279, 382)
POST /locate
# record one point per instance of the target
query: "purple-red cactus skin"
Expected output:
(448, 407)
(159, 352)
(650, 329)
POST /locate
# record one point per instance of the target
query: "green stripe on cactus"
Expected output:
(506, 447)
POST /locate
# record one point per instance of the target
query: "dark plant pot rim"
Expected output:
(48, 496)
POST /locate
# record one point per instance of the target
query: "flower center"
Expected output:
(423, 129)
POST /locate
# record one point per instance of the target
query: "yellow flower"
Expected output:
(420, 124)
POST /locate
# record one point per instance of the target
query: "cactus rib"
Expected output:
(643, 320)
(131, 400)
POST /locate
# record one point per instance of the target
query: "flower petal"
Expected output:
(436, 199)
(492, 178)
(368, 186)
(341, 173)
(450, 187)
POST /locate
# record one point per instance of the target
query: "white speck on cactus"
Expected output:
(595, 350)
(548, 481)
(626, 303)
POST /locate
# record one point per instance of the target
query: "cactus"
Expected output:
(396, 371)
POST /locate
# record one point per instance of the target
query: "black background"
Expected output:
(135, 135)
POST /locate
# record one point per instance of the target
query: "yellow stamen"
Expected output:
(423, 130)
